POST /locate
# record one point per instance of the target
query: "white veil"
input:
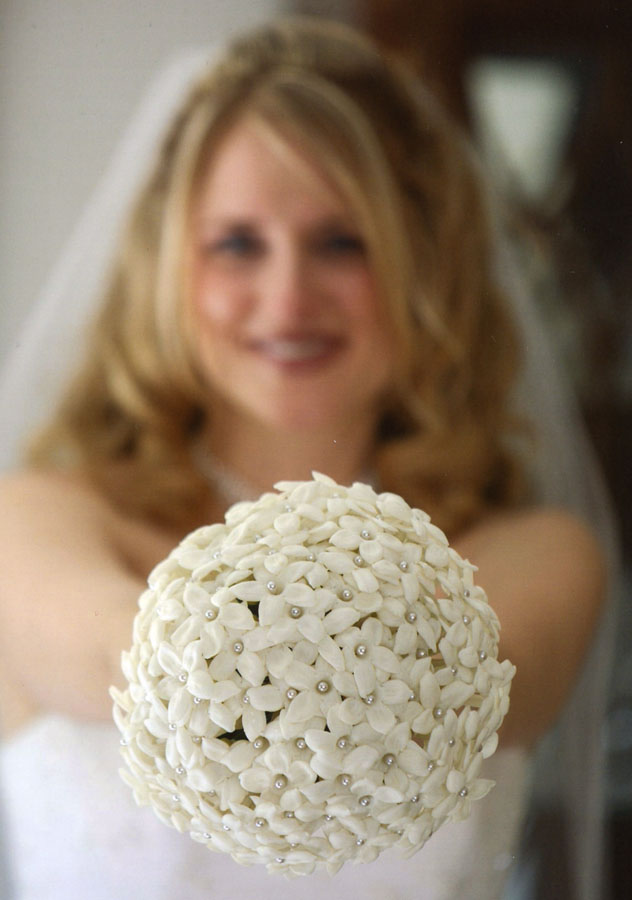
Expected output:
(563, 468)
(570, 766)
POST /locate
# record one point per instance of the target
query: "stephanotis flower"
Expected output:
(312, 681)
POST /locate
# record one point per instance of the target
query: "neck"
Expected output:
(254, 457)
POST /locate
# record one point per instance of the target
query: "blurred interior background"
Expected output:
(543, 86)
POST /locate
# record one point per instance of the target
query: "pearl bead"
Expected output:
(346, 594)
(415, 799)
(259, 743)
(359, 561)
(403, 565)
(180, 770)
(421, 653)
(280, 782)
(182, 677)
(279, 859)
(438, 713)
(322, 687)
(454, 670)
(207, 835)
(365, 534)
(311, 557)
(211, 614)
(123, 742)
(226, 827)
(217, 554)
(463, 792)
(172, 726)
(466, 593)
(296, 612)
(361, 650)
(272, 587)
(431, 766)
(246, 699)
(341, 743)
(301, 743)
(259, 823)
(482, 656)
(364, 801)
(466, 620)
(238, 647)
(328, 818)
(388, 759)
(291, 693)
(451, 742)
(370, 699)
(411, 617)
(288, 814)
(345, 780)
(196, 739)
(359, 842)
(175, 798)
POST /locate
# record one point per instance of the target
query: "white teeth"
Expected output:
(295, 350)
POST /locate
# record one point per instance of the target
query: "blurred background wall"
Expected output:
(71, 73)
(543, 86)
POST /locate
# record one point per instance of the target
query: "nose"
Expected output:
(288, 288)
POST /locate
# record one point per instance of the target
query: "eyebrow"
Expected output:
(236, 220)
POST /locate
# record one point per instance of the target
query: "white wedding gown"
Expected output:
(73, 832)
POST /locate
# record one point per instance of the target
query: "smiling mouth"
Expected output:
(298, 350)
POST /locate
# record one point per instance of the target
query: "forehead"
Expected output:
(256, 171)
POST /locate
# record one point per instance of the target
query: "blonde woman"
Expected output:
(307, 280)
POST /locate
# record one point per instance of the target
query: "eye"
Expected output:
(237, 244)
(342, 243)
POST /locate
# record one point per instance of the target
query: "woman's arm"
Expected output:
(67, 600)
(544, 575)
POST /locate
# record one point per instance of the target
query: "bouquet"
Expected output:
(312, 681)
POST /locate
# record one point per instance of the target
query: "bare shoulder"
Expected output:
(540, 564)
(42, 512)
(65, 592)
(548, 545)
(545, 576)
(31, 494)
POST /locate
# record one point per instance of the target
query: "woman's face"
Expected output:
(288, 326)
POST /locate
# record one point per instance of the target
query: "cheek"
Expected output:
(213, 303)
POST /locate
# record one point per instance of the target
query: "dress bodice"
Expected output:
(74, 832)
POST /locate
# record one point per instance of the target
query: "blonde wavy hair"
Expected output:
(132, 412)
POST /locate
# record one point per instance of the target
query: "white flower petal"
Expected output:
(364, 674)
(360, 760)
(303, 707)
(267, 697)
(311, 627)
(380, 718)
(429, 691)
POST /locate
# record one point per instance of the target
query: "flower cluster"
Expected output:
(313, 681)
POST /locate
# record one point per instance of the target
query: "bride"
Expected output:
(307, 279)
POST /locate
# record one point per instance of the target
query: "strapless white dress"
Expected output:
(73, 832)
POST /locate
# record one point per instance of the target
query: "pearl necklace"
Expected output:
(227, 484)
(233, 489)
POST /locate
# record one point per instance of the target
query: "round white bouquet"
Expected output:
(313, 681)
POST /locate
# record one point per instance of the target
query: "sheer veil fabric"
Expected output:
(562, 466)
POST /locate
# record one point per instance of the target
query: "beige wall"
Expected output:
(71, 71)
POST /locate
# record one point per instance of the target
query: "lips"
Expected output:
(297, 350)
